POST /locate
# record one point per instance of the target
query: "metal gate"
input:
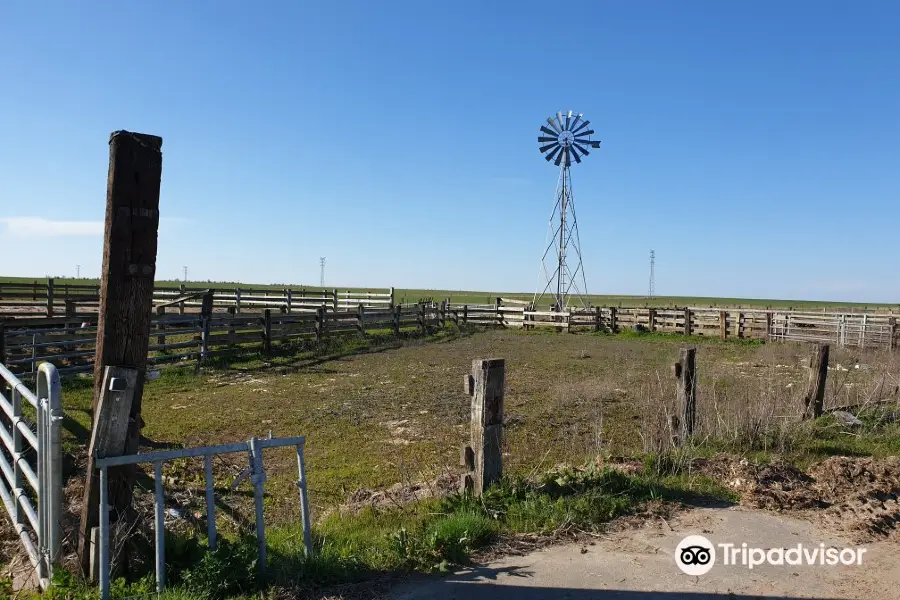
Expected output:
(254, 450)
(33, 450)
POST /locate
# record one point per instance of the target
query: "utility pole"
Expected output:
(77, 271)
(652, 287)
(321, 271)
(185, 274)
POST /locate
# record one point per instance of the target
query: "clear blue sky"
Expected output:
(753, 145)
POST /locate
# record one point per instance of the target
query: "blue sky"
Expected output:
(753, 146)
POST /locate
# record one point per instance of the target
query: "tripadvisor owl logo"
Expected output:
(695, 555)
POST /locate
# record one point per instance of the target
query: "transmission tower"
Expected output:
(652, 288)
(185, 273)
(321, 271)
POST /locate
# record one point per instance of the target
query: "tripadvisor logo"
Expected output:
(696, 555)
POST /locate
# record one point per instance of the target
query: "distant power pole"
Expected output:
(652, 287)
(321, 271)
(77, 271)
(185, 274)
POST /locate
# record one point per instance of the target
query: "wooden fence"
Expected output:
(70, 344)
(24, 300)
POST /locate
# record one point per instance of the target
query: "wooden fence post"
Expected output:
(237, 300)
(686, 393)
(50, 297)
(687, 321)
(334, 300)
(160, 325)
(289, 298)
(443, 314)
(739, 325)
(361, 320)
(723, 324)
(395, 321)
(768, 325)
(183, 291)
(485, 385)
(126, 300)
(465, 315)
(892, 329)
(651, 319)
(392, 298)
(815, 390)
(267, 331)
(232, 311)
(613, 323)
(420, 317)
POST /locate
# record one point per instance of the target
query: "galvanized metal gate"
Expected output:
(254, 449)
(33, 450)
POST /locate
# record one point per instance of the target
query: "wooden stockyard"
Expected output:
(61, 326)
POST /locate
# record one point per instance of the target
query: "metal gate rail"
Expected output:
(254, 448)
(19, 440)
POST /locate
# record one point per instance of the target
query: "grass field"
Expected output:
(487, 297)
(385, 418)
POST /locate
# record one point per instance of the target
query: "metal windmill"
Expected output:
(565, 137)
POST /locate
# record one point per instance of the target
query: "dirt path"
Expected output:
(639, 564)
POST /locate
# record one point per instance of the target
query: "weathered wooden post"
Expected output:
(686, 393)
(420, 317)
(50, 297)
(334, 301)
(723, 324)
(289, 298)
(267, 331)
(651, 319)
(160, 325)
(815, 389)
(183, 290)
(237, 300)
(126, 298)
(443, 314)
(613, 322)
(465, 315)
(768, 325)
(320, 324)
(395, 322)
(361, 320)
(597, 318)
(892, 329)
(687, 321)
(392, 298)
(484, 456)
(206, 310)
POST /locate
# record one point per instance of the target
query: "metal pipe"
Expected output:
(210, 502)
(104, 534)
(165, 455)
(258, 477)
(160, 529)
(304, 505)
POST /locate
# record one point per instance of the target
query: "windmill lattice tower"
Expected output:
(564, 138)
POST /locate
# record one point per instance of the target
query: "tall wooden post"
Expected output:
(320, 324)
(126, 298)
(465, 315)
(598, 315)
(892, 328)
(361, 320)
(485, 384)
(686, 393)
(613, 323)
(651, 319)
(723, 324)
(815, 389)
(768, 325)
(687, 321)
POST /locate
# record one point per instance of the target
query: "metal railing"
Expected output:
(254, 448)
(38, 530)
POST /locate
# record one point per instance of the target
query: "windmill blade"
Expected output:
(550, 132)
(584, 133)
(568, 119)
(580, 127)
(582, 148)
(544, 138)
(559, 121)
(595, 144)
(575, 155)
(560, 156)
(575, 122)
(552, 153)
(550, 122)
(548, 146)
(590, 143)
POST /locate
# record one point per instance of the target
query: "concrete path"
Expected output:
(639, 564)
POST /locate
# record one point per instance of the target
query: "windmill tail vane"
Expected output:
(565, 137)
